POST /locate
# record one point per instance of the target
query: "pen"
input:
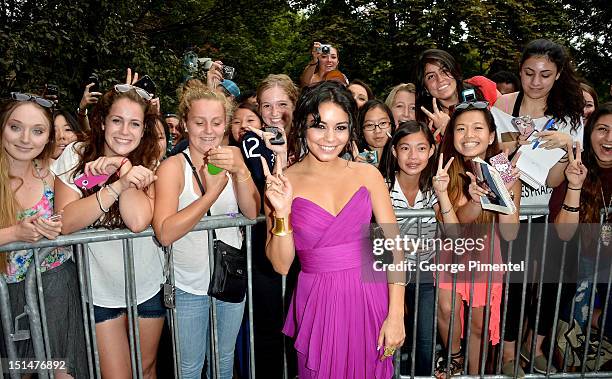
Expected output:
(548, 125)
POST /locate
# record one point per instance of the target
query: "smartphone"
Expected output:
(93, 78)
(51, 90)
(147, 84)
(501, 163)
(468, 95)
(278, 137)
(370, 156)
(90, 181)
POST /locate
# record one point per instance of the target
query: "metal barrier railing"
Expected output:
(36, 313)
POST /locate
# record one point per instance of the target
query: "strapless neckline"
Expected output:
(353, 197)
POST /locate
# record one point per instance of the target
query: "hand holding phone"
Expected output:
(278, 137)
(89, 181)
(147, 84)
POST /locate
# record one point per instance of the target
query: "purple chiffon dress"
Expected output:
(340, 302)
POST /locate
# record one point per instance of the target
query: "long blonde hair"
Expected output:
(9, 206)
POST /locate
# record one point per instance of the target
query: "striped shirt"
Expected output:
(409, 226)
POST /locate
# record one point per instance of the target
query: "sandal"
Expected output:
(455, 367)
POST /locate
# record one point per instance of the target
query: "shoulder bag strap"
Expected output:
(517, 105)
(197, 177)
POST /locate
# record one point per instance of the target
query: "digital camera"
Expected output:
(324, 49)
(228, 72)
(468, 95)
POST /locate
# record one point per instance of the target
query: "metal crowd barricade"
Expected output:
(36, 313)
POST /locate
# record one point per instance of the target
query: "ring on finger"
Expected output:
(435, 178)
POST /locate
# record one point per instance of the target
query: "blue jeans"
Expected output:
(194, 339)
(584, 291)
(424, 340)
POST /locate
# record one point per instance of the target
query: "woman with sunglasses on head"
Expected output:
(549, 105)
(123, 151)
(375, 128)
(472, 135)
(345, 318)
(409, 172)
(181, 204)
(27, 215)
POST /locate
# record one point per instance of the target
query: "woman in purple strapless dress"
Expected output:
(344, 316)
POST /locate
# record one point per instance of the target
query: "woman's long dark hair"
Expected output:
(145, 154)
(565, 97)
(72, 122)
(391, 166)
(590, 199)
(308, 104)
(448, 65)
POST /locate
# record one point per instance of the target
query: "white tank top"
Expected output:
(191, 268)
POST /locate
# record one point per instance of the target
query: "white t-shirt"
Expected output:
(409, 226)
(506, 132)
(106, 258)
(191, 261)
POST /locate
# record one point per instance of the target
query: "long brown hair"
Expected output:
(459, 181)
(591, 200)
(145, 154)
(9, 206)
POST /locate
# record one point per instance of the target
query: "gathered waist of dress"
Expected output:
(352, 254)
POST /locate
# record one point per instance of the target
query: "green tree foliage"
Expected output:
(62, 42)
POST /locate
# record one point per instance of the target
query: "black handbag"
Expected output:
(229, 278)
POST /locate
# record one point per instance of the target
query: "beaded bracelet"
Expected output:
(570, 209)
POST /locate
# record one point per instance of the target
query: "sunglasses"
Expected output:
(121, 88)
(37, 99)
(167, 115)
(472, 105)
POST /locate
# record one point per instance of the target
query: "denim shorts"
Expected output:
(152, 308)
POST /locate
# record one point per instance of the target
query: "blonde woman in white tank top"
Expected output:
(180, 205)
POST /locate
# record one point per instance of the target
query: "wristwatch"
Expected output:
(80, 113)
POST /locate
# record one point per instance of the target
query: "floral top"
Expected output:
(19, 261)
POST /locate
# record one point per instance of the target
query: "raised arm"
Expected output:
(280, 248)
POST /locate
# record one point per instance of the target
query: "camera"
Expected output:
(93, 78)
(228, 72)
(370, 156)
(51, 90)
(278, 137)
(206, 63)
(468, 95)
(324, 49)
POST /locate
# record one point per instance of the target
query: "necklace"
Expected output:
(606, 228)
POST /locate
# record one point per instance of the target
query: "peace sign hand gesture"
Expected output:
(440, 119)
(575, 172)
(279, 191)
(441, 179)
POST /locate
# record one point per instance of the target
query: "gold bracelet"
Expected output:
(281, 226)
(239, 180)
